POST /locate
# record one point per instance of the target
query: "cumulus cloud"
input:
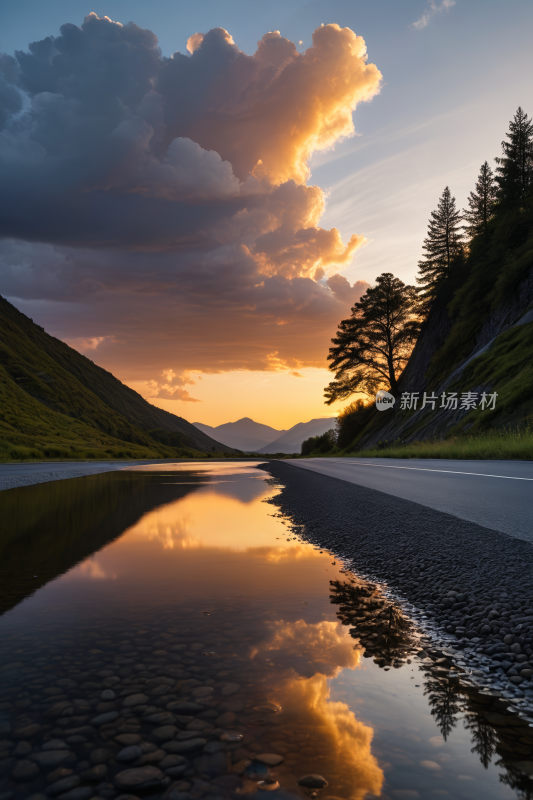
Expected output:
(434, 8)
(172, 387)
(162, 203)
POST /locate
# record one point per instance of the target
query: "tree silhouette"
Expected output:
(443, 245)
(374, 344)
(484, 737)
(481, 203)
(515, 167)
(444, 702)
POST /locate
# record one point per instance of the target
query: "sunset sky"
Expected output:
(194, 194)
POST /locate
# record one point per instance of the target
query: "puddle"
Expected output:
(165, 633)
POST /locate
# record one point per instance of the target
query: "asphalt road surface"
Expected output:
(495, 494)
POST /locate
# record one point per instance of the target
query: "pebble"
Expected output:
(103, 719)
(173, 761)
(135, 700)
(164, 733)
(130, 753)
(52, 758)
(100, 755)
(270, 759)
(25, 771)
(128, 738)
(94, 774)
(229, 689)
(22, 749)
(63, 785)
(147, 777)
(27, 732)
(81, 793)
(312, 781)
(108, 694)
(55, 744)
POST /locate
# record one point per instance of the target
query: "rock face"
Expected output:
(427, 423)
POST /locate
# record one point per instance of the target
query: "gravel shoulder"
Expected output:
(469, 586)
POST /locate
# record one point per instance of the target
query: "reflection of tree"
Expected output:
(444, 702)
(386, 635)
(484, 737)
(377, 622)
(521, 783)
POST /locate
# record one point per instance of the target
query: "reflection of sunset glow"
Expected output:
(92, 570)
(343, 738)
(280, 553)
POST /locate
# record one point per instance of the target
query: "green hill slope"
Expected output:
(56, 403)
(477, 338)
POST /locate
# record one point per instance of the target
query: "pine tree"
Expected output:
(515, 167)
(374, 344)
(442, 245)
(481, 203)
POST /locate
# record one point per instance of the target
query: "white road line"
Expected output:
(424, 469)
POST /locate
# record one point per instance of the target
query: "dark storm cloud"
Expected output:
(128, 178)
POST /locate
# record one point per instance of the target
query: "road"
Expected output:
(495, 494)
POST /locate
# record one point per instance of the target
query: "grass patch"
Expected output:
(495, 444)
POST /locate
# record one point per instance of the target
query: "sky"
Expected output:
(194, 195)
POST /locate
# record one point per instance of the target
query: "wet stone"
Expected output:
(104, 719)
(135, 700)
(94, 774)
(22, 749)
(128, 738)
(25, 771)
(100, 755)
(63, 785)
(270, 759)
(229, 689)
(312, 781)
(81, 793)
(130, 753)
(55, 744)
(52, 758)
(164, 733)
(173, 762)
(140, 778)
(27, 732)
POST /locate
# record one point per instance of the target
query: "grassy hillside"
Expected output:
(65, 381)
(479, 309)
(54, 404)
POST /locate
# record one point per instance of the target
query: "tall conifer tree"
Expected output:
(481, 202)
(442, 245)
(515, 167)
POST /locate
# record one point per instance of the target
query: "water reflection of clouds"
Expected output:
(91, 569)
(170, 535)
(327, 650)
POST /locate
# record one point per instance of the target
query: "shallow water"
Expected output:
(179, 585)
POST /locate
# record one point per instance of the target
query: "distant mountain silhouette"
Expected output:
(252, 437)
(245, 434)
(291, 441)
